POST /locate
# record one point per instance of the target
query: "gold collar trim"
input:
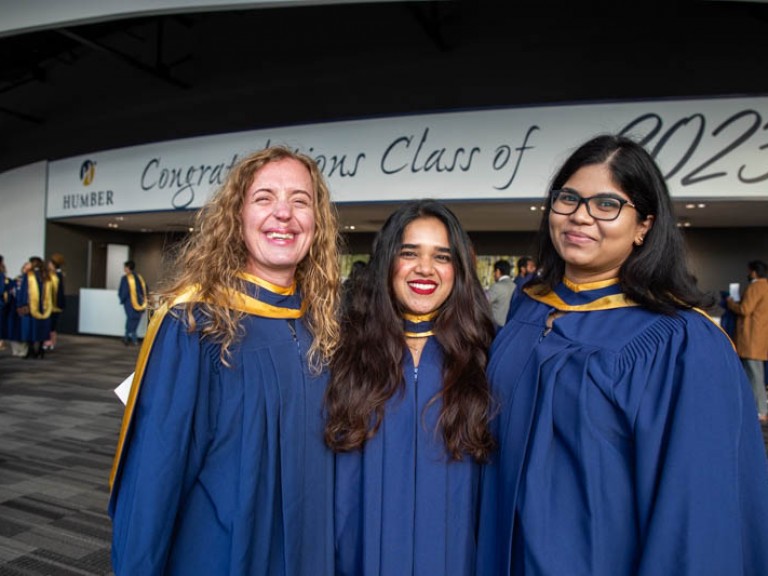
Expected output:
(589, 285)
(420, 317)
(237, 301)
(282, 290)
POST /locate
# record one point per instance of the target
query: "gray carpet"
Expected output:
(59, 421)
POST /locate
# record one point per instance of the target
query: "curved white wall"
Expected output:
(22, 215)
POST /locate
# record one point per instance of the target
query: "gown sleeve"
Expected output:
(701, 472)
(164, 448)
(122, 291)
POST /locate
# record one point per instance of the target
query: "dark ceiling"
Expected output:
(75, 90)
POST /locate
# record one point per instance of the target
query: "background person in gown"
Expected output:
(133, 294)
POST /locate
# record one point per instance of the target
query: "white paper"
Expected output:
(124, 389)
(733, 291)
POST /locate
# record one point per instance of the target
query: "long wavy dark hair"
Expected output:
(656, 274)
(366, 370)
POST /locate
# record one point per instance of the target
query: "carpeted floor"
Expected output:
(59, 421)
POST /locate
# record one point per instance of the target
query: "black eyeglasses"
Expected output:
(600, 206)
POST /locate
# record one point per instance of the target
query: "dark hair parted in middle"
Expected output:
(366, 371)
(656, 274)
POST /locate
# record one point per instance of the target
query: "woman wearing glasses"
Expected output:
(628, 441)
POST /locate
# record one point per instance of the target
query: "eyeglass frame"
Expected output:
(555, 192)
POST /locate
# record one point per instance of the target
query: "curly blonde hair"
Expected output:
(215, 253)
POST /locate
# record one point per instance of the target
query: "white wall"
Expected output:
(117, 255)
(22, 215)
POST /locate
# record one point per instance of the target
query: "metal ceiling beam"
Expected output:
(21, 115)
(157, 72)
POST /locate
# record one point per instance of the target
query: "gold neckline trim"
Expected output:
(589, 285)
(282, 290)
(420, 317)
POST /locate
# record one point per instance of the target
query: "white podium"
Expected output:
(102, 314)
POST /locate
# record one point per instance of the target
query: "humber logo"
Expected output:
(87, 199)
(87, 172)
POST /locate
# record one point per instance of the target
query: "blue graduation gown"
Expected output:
(124, 295)
(629, 445)
(33, 329)
(224, 470)
(13, 320)
(5, 296)
(402, 507)
(59, 300)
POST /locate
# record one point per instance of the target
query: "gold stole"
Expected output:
(416, 319)
(609, 302)
(132, 290)
(236, 301)
(33, 289)
(55, 291)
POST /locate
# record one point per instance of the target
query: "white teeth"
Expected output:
(280, 235)
(419, 286)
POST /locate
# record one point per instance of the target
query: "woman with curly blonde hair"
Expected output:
(221, 466)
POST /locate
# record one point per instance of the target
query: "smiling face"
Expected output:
(594, 250)
(278, 220)
(423, 273)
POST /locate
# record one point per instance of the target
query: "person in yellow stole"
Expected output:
(133, 297)
(221, 467)
(34, 305)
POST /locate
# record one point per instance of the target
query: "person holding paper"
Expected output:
(628, 442)
(221, 467)
(752, 331)
(408, 402)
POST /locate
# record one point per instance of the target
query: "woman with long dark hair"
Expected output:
(408, 402)
(628, 440)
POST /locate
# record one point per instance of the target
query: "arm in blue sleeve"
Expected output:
(701, 468)
(163, 451)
